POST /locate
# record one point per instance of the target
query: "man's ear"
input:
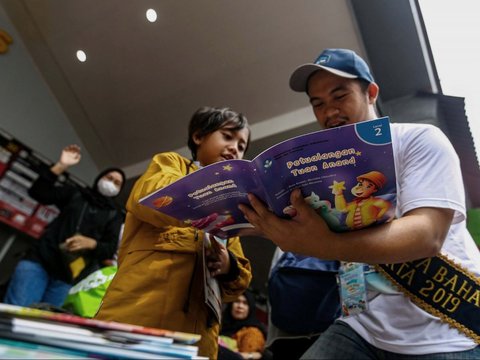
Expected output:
(372, 92)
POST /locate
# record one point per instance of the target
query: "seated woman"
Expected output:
(242, 335)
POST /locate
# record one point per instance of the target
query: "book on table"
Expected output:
(34, 332)
(331, 167)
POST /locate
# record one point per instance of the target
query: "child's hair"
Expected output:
(208, 119)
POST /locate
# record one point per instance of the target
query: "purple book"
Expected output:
(346, 174)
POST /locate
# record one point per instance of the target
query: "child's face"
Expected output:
(222, 144)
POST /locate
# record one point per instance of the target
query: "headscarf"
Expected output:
(230, 325)
(94, 197)
(105, 172)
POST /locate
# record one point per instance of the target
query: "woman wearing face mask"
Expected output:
(76, 243)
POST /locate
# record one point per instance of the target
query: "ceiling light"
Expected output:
(151, 15)
(81, 56)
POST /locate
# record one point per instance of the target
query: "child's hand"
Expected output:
(217, 258)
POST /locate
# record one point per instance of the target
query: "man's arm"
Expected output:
(418, 234)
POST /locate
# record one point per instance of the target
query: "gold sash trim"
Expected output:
(442, 288)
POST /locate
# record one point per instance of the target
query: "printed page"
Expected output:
(332, 167)
(213, 295)
(207, 198)
(346, 174)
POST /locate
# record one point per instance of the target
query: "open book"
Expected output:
(346, 174)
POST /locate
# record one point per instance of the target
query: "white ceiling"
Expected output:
(134, 95)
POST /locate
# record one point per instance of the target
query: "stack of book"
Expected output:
(38, 334)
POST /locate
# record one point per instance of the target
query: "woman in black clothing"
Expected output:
(242, 335)
(74, 245)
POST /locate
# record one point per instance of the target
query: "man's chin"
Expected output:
(337, 125)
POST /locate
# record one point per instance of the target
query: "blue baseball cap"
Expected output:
(342, 62)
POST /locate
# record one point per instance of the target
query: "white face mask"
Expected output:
(107, 188)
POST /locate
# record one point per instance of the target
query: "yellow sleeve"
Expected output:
(383, 205)
(340, 203)
(164, 169)
(232, 289)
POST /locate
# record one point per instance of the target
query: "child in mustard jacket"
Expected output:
(159, 280)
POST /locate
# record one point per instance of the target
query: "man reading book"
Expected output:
(433, 308)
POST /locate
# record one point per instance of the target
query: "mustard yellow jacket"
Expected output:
(159, 282)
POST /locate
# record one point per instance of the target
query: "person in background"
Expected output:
(85, 297)
(430, 220)
(75, 244)
(241, 332)
(159, 282)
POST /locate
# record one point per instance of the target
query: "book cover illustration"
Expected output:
(346, 174)
(207, 199)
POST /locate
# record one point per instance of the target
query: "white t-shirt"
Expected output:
(428, 175)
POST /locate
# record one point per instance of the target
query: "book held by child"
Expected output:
(346, 174)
